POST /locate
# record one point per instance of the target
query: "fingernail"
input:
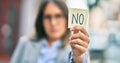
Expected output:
(71, 28)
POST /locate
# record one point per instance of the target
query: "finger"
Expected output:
(80, 36)
(79, 42)
(79, 28)
(80, 48)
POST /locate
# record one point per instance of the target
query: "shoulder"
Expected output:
(26, 41)
(23, 41)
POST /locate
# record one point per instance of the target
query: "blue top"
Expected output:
(28, 51)
(49, 54)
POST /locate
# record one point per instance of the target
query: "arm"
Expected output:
(18, 52)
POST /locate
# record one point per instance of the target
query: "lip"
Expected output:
(53, 30)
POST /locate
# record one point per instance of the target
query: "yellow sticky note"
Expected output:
(77, 16)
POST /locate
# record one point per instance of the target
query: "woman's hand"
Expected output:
(79, 41)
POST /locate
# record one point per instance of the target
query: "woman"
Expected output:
(51, 44)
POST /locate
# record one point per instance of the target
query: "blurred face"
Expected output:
(54, 21)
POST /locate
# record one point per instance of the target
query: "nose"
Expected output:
(53, 21)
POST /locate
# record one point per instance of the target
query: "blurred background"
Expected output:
(17, 19)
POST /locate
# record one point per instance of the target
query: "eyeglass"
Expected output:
(58, 17)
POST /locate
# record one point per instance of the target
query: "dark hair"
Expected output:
(40, 33)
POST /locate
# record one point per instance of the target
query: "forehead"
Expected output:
(52, 8)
